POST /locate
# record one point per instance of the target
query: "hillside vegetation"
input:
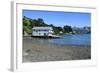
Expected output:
(29, 23)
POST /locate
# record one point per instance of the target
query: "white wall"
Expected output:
(5, 36)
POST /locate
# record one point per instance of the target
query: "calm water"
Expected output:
(83, 39)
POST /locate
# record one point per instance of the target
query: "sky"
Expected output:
(74, 19)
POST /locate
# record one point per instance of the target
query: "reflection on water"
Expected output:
(84, 39)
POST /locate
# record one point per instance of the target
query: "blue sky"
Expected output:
(60, 18)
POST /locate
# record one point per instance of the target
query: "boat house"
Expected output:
(42, 31)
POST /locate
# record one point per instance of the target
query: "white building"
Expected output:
(42, 31)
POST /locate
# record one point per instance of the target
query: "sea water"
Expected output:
(76, 39)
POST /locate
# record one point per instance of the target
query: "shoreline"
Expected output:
(32, 38)
(33, 52)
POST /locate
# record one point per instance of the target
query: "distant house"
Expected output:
(42, 31)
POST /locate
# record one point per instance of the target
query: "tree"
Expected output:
(57, 30)
(29, 23)
(67, 29)
(38, 22)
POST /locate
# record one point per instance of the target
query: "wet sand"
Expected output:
(33, 52)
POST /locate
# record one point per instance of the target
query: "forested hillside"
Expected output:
(29, 23)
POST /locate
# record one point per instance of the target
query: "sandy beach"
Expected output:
(33, 52)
